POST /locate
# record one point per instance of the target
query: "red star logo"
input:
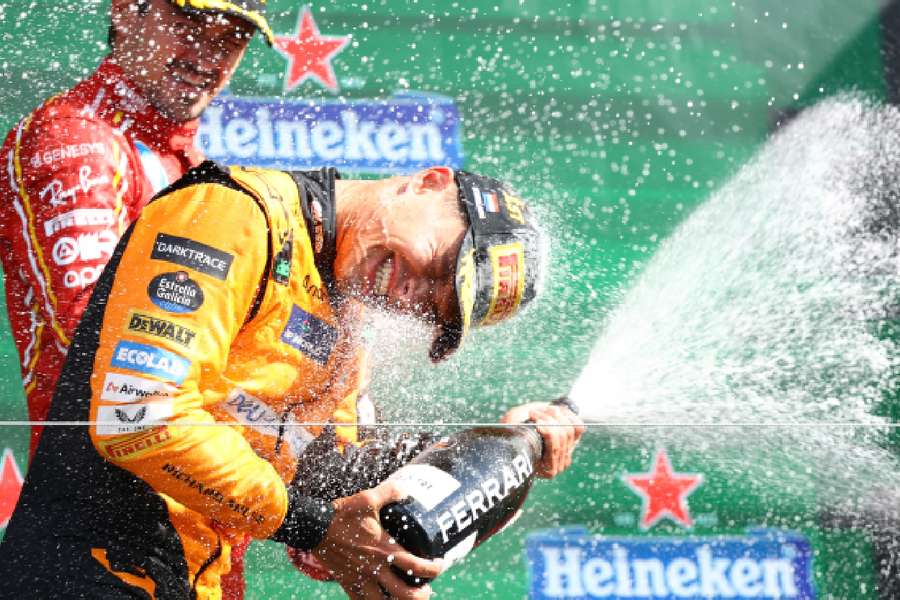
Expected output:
(664, 493)
(10, 486)
(309, 53)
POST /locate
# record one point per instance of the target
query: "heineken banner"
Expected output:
(767, 564)
(402, 134)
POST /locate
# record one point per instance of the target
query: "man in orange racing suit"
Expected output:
(228, 304)
(79, 169)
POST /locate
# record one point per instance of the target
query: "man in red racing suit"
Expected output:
(79, 169)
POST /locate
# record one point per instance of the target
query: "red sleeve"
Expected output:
(71, 181)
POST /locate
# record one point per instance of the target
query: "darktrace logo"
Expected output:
(192, 254)
(175, 292)
(148, 325)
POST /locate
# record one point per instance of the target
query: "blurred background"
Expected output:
(617, 119)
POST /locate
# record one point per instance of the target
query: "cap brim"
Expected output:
(450, 335)
(223, 6)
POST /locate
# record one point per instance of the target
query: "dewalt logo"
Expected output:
(148, 325)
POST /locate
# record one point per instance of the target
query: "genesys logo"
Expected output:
(762, 565)
(150, 360)
(403, 134)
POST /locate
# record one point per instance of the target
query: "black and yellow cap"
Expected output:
(500, 262)
(252, 11)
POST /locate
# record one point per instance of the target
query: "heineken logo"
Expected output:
(766, 565)
(400, 135)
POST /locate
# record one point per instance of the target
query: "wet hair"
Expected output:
(143, 7)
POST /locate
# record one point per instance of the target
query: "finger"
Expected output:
(371, 590)
(385, 493)
(418, 566)
(397, 588)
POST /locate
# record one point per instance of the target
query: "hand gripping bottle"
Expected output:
(461, 491)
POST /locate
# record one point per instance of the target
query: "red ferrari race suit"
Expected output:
(77, 172)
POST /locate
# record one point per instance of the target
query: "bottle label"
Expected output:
(458, 552)
(427, 485)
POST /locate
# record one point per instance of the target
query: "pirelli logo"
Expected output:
(137, 445)
(508, 275)
(155, 327)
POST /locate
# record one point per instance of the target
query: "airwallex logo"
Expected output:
(766, 564)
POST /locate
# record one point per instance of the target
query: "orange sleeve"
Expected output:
(187, 278)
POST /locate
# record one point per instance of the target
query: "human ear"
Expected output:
(434, 178)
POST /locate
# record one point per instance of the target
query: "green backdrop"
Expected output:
(616, 118)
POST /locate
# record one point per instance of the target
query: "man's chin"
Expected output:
(182, 110)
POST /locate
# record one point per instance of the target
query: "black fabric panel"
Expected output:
(319, 186)
(74, 500)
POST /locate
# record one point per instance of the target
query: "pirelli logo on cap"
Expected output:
(465, 283)
(155, 327)
(508, 275)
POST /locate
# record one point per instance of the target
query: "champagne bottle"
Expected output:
(461, 491)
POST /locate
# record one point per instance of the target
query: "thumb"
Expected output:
(387, 492)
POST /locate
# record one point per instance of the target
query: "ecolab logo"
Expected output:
(397, 135)
(767, 566)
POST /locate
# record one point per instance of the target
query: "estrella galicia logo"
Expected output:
(192, 254)
(310, 335)
(150, 360)
(175, 292)
(766, 564)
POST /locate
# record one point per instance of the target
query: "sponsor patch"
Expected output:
(515, 208)
(253, 412)
(192, 254)
(80, 217)
(131, 418)
(508, 269)
(118, 387)
(148, 325)
(310, 335)
(57, 194)
(139, 445)
(84, 247)
(150, 360)
(767, 564)
(48, 157)
(175, 292)
(281, 266)
(83, 277)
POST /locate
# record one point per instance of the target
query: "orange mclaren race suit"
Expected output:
(212, 332)
(75, 173)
